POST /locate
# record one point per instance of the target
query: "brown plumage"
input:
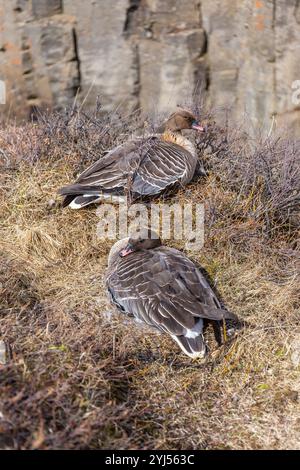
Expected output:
(163, 288)
(142, 167)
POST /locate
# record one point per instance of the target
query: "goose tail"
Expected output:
(192, 342)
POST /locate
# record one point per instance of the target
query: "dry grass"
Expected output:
(82, 377)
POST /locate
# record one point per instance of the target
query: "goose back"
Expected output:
(164, 289)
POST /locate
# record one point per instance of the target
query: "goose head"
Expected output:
(183, 119)
(146, 239)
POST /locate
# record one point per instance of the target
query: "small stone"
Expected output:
(108, 315)
(3, 352)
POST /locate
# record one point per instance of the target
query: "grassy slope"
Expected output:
(81, 378)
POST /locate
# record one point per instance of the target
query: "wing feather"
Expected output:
(163, 288)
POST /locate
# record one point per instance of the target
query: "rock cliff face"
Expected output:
(152, 54)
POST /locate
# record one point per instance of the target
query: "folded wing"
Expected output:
(143, 167)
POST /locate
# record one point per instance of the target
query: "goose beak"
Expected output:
(126, 251)
(197, 127)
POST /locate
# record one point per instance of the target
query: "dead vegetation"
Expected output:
(82, 377)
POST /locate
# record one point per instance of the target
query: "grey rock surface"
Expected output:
(152, 54)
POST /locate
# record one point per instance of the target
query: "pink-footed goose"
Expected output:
(142, 167)
(163, 288)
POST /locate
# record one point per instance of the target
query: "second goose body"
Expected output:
(141, 168)
(163, 288)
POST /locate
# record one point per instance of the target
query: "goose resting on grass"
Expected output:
(142, 167)
(163, 288)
